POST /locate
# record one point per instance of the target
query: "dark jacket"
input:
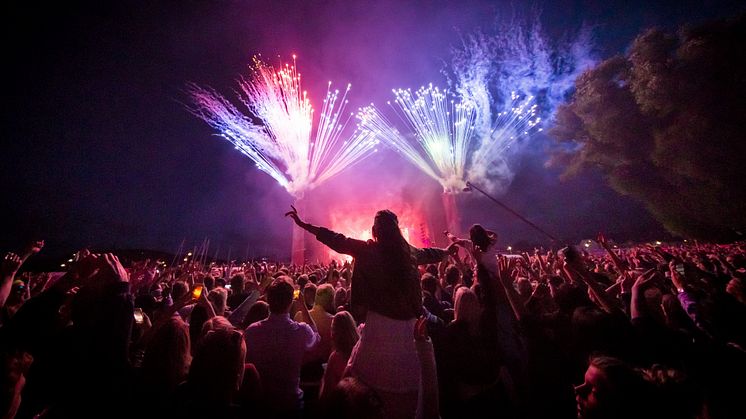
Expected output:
(372, 288)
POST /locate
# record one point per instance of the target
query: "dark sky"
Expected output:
(98, 149)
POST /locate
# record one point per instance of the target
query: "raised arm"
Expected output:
(10, 264)
(620, 265)
(335, 241)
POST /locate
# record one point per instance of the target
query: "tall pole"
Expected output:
(453, 218)
(470, 185)
(298, 246)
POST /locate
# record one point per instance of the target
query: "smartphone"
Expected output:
(296, 294)
(227, 286)
(197, 291)
(679, 268)
(138, 315)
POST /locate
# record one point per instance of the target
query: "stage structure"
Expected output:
(284, 143)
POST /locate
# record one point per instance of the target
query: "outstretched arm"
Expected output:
(337, 242)
(305, 226)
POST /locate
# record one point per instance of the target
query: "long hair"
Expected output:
(466, 308)
(217, 368)
(167, 357)
(400, 262)
(344, 332)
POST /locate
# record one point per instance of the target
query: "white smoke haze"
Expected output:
(518, 68)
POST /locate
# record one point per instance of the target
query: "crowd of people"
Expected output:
(398, 332)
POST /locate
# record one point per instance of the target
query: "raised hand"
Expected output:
(110, 266)
(644, 280)
(294, 215)
(505, 267)
(601, 239)
(676, 278)
(11, 263)
(35, 246)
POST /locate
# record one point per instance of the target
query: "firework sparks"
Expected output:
(443, 141)
(284, 145)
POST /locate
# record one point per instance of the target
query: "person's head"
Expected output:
(218, 366)
(13, 368)
(569, 297)
(313, 278)
(309, 294)
(351, 398)
(209, 282)
(611, 389)
(453, 274)
(302, 281)
(179, 290)
(524, 287)
(386, 227)
(167, 357)
(344, 332)
(429, 283)
(215, 323)
(280, 295)
(218, 297)
(257, 312)
(340, 297)
(466, 307)
(237, 283)
(325, 297)
(482, 238)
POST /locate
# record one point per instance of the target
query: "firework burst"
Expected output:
(284, 144)
(443, 139)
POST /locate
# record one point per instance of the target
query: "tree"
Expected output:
(666, 124)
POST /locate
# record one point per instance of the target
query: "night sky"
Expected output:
(98, 149)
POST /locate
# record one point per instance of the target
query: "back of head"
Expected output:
(482, 238)
(259, 311)
(429, 283)
(353, 399)
(237, 282)
(167, 357)
(325, 297)
(340, 297)
(218, 297)
(569, 297)
(624, 392)
(466, 307)
(217, 368)
(302, 281)
(452, 274)
(280, 295)
(216, 323)
(344, 332)
(395, 249)
(209, 282)
(178, 290)
(309, 293)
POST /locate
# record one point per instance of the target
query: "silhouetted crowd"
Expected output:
(466, 331)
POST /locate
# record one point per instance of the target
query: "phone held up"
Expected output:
(197, 291)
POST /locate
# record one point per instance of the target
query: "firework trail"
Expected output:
(284, 144)
(443, 138)
(514, 72)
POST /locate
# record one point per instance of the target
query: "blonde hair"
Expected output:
(344, 332)
(325, 297)
(466, 308)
